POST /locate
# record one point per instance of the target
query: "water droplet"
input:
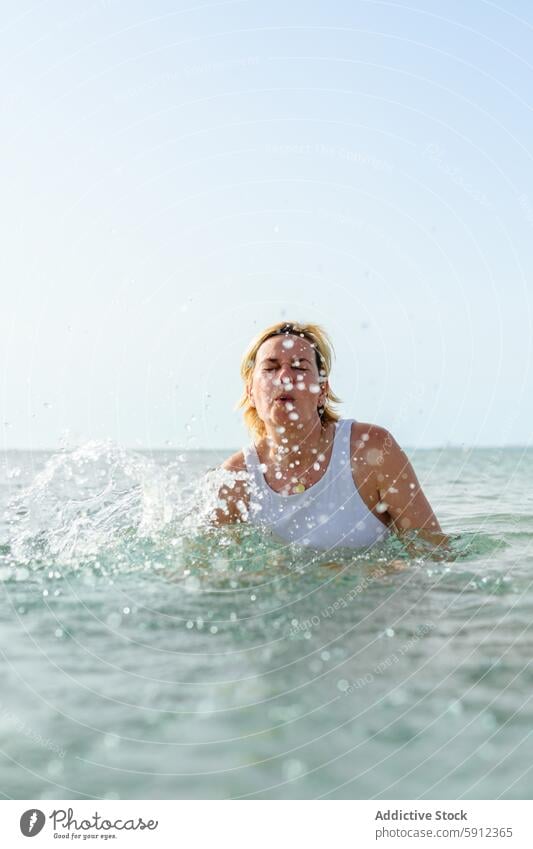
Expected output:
(192, 584)
(292, 769)
(114, 620)
(54, 768)
(374, 456)
(111, 741)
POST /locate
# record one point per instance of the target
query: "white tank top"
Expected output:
(329, 514)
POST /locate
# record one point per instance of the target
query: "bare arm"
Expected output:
(235, 497)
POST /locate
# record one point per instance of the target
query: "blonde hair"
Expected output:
(319, 340)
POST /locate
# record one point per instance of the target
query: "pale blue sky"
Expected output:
(177, 175)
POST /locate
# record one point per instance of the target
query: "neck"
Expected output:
(309, 441)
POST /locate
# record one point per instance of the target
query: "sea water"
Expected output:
(145, 655)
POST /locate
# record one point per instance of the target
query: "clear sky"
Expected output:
(177, 175)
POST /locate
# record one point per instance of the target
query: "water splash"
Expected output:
(103, 509)
(86, 502)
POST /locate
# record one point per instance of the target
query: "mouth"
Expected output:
(285, 398)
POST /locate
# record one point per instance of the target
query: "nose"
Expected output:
(285, 374)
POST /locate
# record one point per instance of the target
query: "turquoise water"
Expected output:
(146, 657)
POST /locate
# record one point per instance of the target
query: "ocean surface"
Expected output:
(146, 656)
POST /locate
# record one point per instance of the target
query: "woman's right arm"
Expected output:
(234, 494)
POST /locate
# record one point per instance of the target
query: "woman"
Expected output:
(311, 477)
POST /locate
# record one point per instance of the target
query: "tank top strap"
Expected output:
(341, 446)
(253, 466)
(338, 463)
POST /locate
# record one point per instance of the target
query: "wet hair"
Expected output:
(323, 348)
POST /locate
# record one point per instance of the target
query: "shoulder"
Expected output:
(235, 463)
(377, 444)
(371, 434)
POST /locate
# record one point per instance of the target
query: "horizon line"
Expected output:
(167, 448)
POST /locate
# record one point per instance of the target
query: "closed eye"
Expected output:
(296, 368)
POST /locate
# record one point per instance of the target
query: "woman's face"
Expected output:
(285, 386)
